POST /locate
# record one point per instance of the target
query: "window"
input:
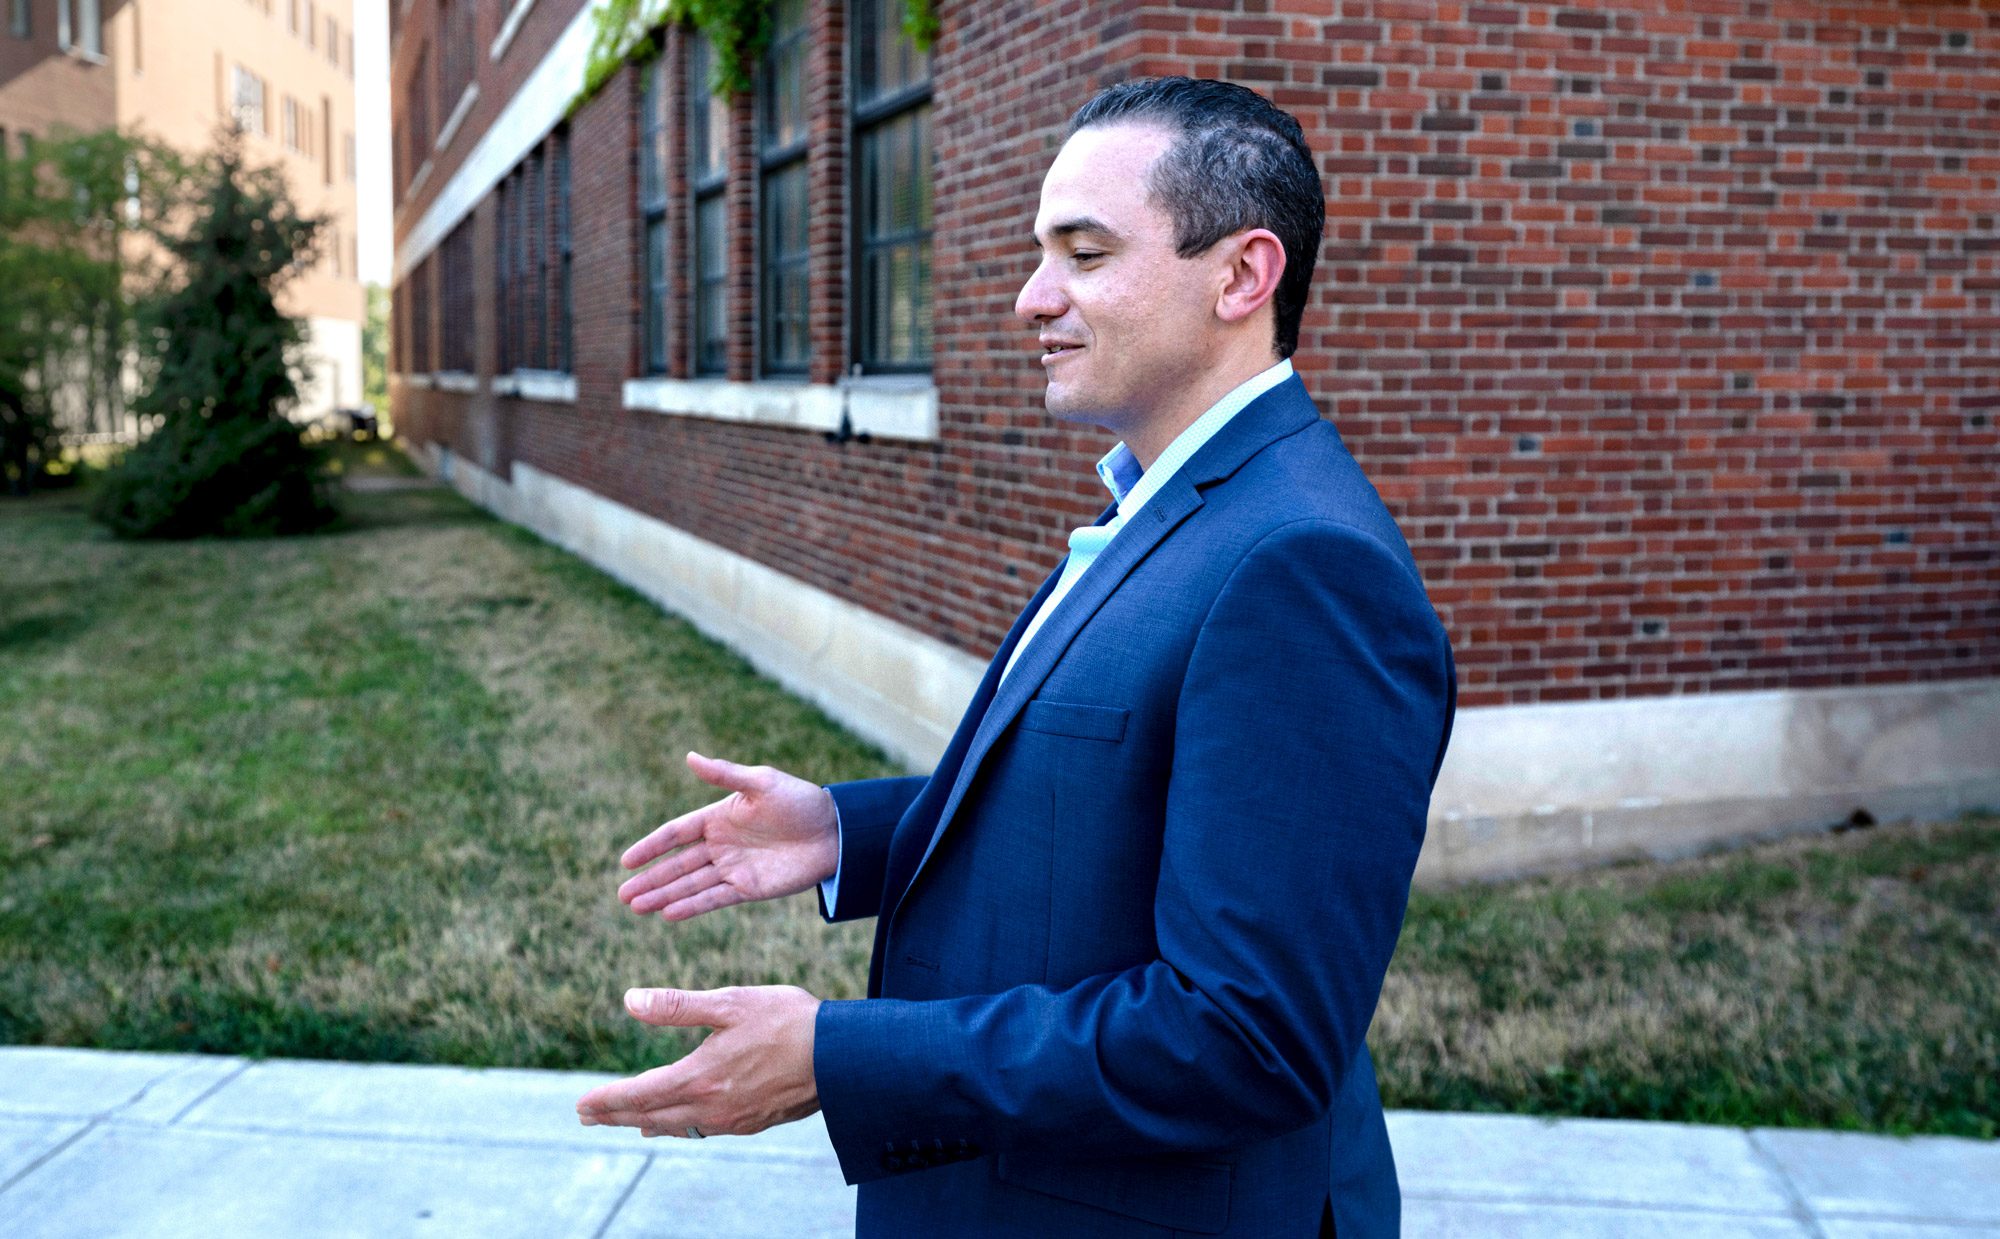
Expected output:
(18, 24)
(312, 19)
(348, 157)
(533, 262)
(417, 113)
(708, 125)
(420, 319)
(892, 210)
(560, 175)
(333, 41)
(79, 27)
(653, 203)
(399, 324)
(291, 16)
(297, 125)
(326, 139)
(781, 142)
(350, 57)
(246, 100)
(455, 53)
(455, 269)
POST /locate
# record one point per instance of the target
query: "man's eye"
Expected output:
(1086, 255)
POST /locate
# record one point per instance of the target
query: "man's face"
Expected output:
(1125, 322)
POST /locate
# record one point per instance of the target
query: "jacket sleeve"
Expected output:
(867, 811)
(1310, 725)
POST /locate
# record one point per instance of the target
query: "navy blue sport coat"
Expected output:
(1132, 931)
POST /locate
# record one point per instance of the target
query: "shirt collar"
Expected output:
(1132, 486)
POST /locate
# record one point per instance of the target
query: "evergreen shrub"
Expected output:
(223, 459)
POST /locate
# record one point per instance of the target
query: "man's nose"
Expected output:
(1041, 297)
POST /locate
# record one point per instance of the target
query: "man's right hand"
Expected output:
(773, 835)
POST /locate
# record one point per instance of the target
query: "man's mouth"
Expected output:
(1052, 351)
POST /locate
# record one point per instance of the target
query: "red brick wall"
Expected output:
(1668, 331)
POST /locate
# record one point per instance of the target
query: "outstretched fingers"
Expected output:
(721, 895)
(668, 871)
(727, 774)
(688, 884)
(679, 832)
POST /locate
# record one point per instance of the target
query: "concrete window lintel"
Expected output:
(459, 111)
(509, 28)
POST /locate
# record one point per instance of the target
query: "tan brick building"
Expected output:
(283, 70)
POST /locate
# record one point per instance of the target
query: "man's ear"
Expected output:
(1256, 262)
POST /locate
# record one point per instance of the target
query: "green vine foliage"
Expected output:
(738, 29)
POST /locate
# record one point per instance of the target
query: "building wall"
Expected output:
(165, 70)
(1669, 337)
(174, 61)
(43, 85)
(1667, 331)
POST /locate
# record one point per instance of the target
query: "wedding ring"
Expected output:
(694, 1133)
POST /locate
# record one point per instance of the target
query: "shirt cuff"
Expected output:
(829, 890)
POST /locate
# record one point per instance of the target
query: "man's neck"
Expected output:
(1152, 435)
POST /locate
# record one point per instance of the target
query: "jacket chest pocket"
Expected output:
(1062, 718)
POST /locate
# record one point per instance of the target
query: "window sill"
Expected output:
(510, 27)
(459, 111)
(551, 385)
(885, 406)
(413, 380)
(455, 380)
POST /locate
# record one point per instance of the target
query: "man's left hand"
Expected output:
(754, 1071)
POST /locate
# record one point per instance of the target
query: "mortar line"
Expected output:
(618, 1206)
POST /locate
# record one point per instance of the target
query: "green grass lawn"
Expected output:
(361, 795)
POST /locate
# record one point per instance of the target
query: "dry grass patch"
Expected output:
(362, 795)
(1826, 981)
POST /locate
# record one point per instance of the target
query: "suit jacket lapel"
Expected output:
(1284, 410)
(1165, 510)
(917, 825)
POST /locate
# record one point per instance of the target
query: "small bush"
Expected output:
(238, 479)
(223, 460)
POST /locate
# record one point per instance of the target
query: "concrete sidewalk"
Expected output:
(106, 1144)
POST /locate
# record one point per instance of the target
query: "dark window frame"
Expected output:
(654, 253)
(422, 359)
(533, 262)
(456, 342)
(708, 197)
(560, 336)
(781, 166)
(867, 117)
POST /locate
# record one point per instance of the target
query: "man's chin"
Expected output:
(1067, 404)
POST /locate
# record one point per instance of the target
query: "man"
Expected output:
(1132, 930)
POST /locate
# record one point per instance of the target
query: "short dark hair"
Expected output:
(1237, 162)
